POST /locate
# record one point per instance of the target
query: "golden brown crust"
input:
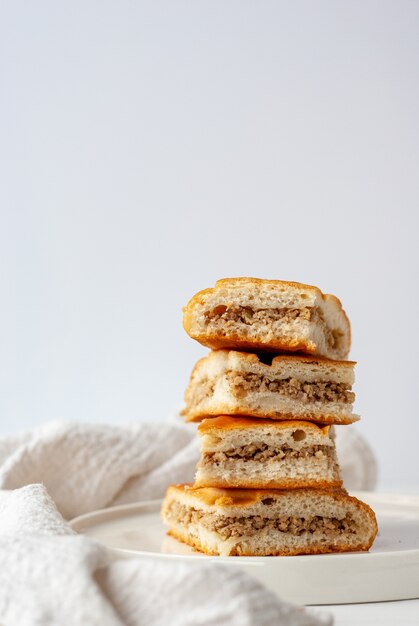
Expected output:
(196, 415)
(280, 483)
(213, 496)
(251, 357)
(242, 498)
(242, 280)
(236, 341)
(227, 422)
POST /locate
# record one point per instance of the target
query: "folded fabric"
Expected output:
(50, 576)
(356, 458)
(91, 466)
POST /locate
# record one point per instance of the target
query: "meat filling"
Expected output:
(228, 527)
(248, 316)
(264, 453)
(201, 392)
(304, 391)
(230, 316)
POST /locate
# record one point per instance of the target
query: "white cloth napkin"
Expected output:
(50, 576)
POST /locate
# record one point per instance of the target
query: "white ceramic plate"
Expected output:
(390, 571)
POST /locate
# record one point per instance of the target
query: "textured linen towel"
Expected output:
(51, 576)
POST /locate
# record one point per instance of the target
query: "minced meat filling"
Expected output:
(291, 387)
(263, 452)
(229, 316)
(201, 392)
(228, 527)
(247, 315)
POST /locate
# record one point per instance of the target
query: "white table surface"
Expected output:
(401, 613)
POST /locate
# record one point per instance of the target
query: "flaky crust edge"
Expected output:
(212, 496)
(285, 483)
(252, 357)
(193, 415)
(235, 342)
(229, 422)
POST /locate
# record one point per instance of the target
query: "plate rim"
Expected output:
(408, 499)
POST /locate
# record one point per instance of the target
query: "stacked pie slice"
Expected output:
(267, 397)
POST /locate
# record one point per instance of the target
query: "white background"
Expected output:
(149, 148)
